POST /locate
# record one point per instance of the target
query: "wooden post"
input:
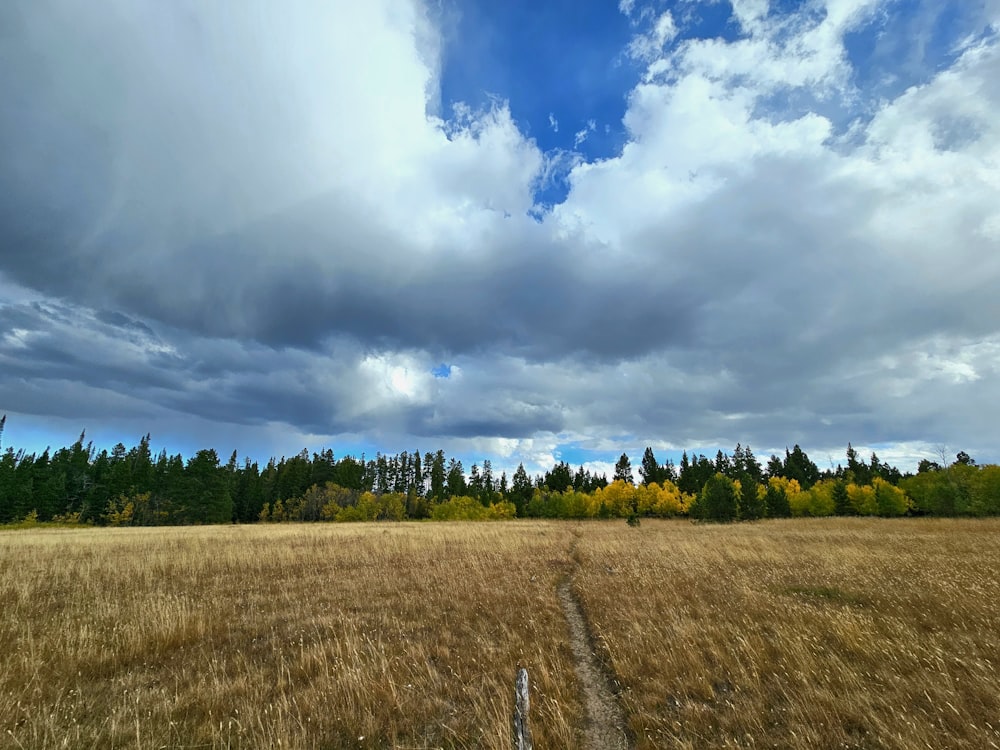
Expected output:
(522, 730)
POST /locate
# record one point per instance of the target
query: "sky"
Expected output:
(521, 231)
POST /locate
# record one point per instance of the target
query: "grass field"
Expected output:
(828, 633)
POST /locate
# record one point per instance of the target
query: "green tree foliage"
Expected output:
(520, 489)
(745, 464)
(943, 492)
(776, 500)
(889, 500)
(841, 501)
(985, 492)
(560, 478)
(694, 473)
(797, 466)
(752, 504)
(623, 470)
(470, 509)
(649, 469)
(456, 485)
(207, 488)
(129, 486)
(718, 500)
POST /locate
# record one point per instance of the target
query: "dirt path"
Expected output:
(605, 729)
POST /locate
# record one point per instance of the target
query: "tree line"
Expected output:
(134, 486)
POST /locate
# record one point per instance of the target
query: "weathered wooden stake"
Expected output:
(522, 730)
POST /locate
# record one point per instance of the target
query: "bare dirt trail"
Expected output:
(605, 729)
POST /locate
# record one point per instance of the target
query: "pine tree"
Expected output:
(776, 502)
(456, 486)
(649, 470)
(718, 500)
(623, 470)
(489, 485)
(207, 489)
(560, 478)
(520, 489)
(751, 503)
(841, 500)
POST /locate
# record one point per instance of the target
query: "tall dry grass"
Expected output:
(282, 636)
(830, 633)
(799, 634)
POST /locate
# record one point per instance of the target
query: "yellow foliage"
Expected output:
(889, 500)
(816, 501)
(617, 499)
(661, 501)
(278, 511)
(501, 511)
(469, 509)
(862, 499)
(121, 511)
(790, 486)
(332, 498)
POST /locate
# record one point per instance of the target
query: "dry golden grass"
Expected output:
(829, 633)
(316, 636)
(799, 634)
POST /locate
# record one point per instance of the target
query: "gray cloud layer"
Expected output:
(257, 219)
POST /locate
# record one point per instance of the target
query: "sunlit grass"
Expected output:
(290, 636)
(823, 633)
(815, 634)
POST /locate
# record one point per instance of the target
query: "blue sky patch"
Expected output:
(558, 64)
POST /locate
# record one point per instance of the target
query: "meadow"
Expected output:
(821, 633)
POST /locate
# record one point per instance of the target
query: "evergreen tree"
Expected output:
(49, 485)
(489, 484)
(718, 500)
(8, 466)
(456, 480)
(857, 471)
(649, 470)
(208, 495)
(560, 478)
(476, 483)
(438, 476)
(323, 468)
(841, 500)
(751, 503)
(248, 499)
(520, 489)
(685, 476)
(348, 472)
(723, 465)
(417, 482)
(623, 470)
(798, 466)
(776, 502)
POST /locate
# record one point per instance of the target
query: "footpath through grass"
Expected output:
(824, 633)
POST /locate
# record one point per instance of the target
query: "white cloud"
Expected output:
(581, 135)
(650, 45)
(743, 270)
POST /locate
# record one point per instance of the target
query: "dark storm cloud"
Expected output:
(253, 223)
(101, 209)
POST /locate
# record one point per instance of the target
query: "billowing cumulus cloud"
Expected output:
(267, 225)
